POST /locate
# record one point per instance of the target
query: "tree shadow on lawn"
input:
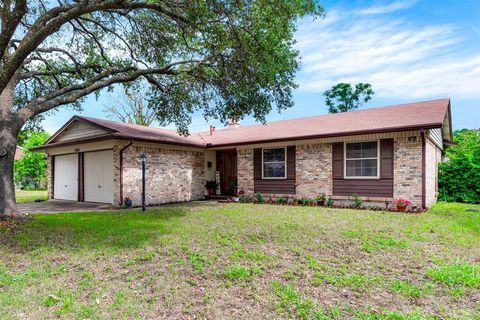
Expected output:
(99, 231)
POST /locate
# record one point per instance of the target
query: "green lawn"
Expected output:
(23, 196)
(243, 261)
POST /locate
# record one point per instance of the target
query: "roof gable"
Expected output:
(76, 129)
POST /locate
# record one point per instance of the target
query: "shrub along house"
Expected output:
(380, 154)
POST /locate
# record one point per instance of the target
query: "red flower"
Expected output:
(403, 202)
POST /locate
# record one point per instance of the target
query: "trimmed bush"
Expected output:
(459, 176)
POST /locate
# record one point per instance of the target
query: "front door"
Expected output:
(227, 166)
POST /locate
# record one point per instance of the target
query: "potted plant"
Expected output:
(233, 186)
(211, 186)
(402, 204)
(320, 199)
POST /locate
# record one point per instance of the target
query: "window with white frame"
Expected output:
(362, 160)
(274, 163)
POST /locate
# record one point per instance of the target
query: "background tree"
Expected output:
(31, 170)
(459, 176)
(342, 97)
(131, 108)
(229, 58)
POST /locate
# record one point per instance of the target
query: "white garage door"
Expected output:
(65, 186)
(98, 176)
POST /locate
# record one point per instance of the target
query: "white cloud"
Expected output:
(387, 8)
(399, 59)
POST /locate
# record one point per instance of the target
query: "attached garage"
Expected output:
(66, 177)
(84, 176)
(98, 176)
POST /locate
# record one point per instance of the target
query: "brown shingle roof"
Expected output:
(427, 114)
(417, 115)
(133, 131)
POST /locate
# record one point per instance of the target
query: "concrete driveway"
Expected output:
(56, 206)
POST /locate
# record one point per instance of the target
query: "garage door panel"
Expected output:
(66, 177)
(98, 176)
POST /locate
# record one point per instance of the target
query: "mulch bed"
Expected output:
(414, 211)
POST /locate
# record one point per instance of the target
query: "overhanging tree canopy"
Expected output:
(229, 58)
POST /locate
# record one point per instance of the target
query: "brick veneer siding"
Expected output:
(171, 175)
(245, 179)
(407, 164)
(314, 169)
(49, 177)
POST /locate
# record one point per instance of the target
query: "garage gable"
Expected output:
(78, 130)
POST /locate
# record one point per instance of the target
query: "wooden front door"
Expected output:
(227, 166)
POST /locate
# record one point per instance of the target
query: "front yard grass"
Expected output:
(23, 196)
(210, 260)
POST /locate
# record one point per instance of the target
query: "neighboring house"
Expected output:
(381, 154)
(19, 154)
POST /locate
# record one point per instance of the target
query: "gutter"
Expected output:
(424, 165)
(121, 169)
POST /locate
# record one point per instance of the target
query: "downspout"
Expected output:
(424, 163)
(121, 170)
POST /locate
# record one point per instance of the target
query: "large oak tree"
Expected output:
(229, 58)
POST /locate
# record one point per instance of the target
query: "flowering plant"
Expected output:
(403, 202)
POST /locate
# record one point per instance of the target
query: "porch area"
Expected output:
(221, 167)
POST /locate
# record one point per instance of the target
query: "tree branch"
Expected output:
(10, 22)
(52, 20)
(72, 93)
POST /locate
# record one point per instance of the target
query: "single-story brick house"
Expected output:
(381, 154)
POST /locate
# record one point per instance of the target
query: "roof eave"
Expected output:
(70, 142)
(331, 135)
(184, 144)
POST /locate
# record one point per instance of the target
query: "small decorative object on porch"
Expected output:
(402, 204)
(320, 199)
(218, 190)
(127, 203)
(211, 186)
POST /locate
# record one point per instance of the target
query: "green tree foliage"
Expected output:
(342, 97)
(459, 177)
(31, 170)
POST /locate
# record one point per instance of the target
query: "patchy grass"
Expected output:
(23, 196)
(354, 281)
(210, 260)
(458, 274)
(411, 290)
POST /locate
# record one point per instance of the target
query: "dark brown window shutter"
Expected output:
(257, 163)
(386, 159)
(337, 151)
(291, 162)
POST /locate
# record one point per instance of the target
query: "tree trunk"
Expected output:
(8, 142)
(9, 128)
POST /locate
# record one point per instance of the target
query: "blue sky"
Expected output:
(409, 50)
